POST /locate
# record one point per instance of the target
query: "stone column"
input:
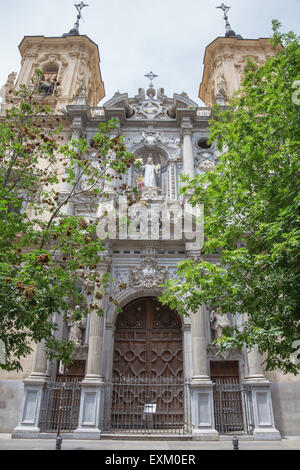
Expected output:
(201, 385)
(263, 417)
(95, 346)
(199, 342)
(255, 369)
(92, 395)
(188, 162)
(28, 425)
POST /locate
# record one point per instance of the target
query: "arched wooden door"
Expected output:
(148, 341)
(148, 391)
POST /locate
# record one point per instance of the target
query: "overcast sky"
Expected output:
(136, 36)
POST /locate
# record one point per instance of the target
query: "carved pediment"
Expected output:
(156, 105)
(183, 101)
(118, 101)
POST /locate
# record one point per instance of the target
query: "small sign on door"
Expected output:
(150, 408)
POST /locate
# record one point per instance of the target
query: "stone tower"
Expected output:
(224, 64)
(225, 60)
(70, 62)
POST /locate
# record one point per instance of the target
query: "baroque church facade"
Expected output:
(146, 370)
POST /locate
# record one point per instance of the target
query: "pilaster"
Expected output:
(28, 425)
(188, 162)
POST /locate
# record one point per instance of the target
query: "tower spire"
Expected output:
(75, 30)
(229, 30)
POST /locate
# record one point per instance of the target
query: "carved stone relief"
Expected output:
(148, 274)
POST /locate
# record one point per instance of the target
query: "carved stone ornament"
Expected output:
(148, 274)
(8, 89)
(221, 86)
(206, 165)
(150, 137)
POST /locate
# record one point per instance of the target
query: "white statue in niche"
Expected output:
(150, 173)
(77, 327)
(218, 321)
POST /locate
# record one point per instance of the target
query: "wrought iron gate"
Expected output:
(233, 408)
(146, 405)
(69, 394)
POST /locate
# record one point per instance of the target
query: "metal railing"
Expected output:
(69, 394)
(146, 405)
(233, 408)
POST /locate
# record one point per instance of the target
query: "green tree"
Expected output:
(48, 260)
(251, 204)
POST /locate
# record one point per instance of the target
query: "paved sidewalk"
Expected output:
(7, 443)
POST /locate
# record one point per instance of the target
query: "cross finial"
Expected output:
(75, 30)
(229, 31)
(151, 77)
(225, 8)
(79, 7)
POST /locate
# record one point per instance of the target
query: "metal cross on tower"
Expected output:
(151, 77)
(225, 8)
(79, 7)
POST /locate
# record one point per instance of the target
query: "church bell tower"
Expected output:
(225, 60)
(70, 66)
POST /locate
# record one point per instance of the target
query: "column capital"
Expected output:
(186, 131)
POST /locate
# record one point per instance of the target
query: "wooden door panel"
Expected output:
(148, 341)
(224, 371)
(148, 344)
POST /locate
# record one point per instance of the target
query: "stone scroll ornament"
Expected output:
(148, 274)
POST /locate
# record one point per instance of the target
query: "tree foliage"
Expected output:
(251, 204)
(48, 259)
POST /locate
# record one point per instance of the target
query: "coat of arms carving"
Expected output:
(148, 274)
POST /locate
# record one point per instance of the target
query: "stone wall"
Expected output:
(286, 407)
(11, 392)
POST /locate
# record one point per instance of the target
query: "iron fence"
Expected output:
(69, 393)
(233, 408)
(146, 405)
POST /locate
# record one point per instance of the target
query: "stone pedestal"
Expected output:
(203, 411)
(90, 407)
(263, 417)
(28, 425)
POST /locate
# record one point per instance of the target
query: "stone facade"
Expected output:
(225, 60)
(174, 131)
